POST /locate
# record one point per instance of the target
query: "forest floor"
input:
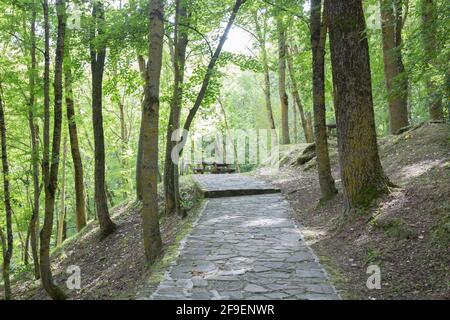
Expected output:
(113, 268)
(406, 233)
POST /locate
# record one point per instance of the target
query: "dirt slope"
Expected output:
(114, 267)
(405, 233)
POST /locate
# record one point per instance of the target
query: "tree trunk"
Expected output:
(284, 101)
(6, 240)
(294, 119)
(361, 172)
(318, 40)
(124, 146)
(98, 53)
(150, 216)
(171, 190)
(308, 137)
(62, 209)
(396, 81)
(51, 181)
(428, 8)
(142, 69)
(261, 34)
(80, 201)
(34, 133)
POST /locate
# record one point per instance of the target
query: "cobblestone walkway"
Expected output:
(245, 247)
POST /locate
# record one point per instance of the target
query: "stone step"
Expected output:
(232, 185)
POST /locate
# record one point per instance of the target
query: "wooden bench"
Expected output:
(215, 168)
(219, 168)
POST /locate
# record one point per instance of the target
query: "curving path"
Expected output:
(244, 247)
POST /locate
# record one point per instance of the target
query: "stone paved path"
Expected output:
(245, 247)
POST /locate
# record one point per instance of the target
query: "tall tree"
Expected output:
(318, 40)
(261, 36)
(143, 71)
(34, 133)
(361, 172)
(428, 9)
(149, 178)
(284, 101)
(394, 70)
(295, 92)
(98, 54)
(51, 171)
(6, 240)
(171, 190)
(80, 201)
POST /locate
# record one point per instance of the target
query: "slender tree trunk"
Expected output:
(318, 40)
(261, 34)
(51, 181)
(171, 177)
(294, 120)
(142, 69)
(98, 54)
(80, 200)
(211, 65)
(123, 159)
(309, 124)
(308, 137)
(396, 81)
(428, 8)
(150, 216)
(361, 172)
(34, 133)
(62, 209)
(284, 101)
(6, 240)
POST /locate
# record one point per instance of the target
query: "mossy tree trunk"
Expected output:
(171, 189)
(80, 200)
(34, 134)
(361, 172)
(149, 123)
(318, 40)
(428, 8)
(7, 240)
(284, 100)
(98, 54)
(51, 171)
(394, 70)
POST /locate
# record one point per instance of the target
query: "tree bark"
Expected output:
(34, 133)
(396, 80)
(171, 177)
(98, 54)
(318, 40)
(123, 148)
(80, 200)
(142, 69)
(361, 172)
(62, 209)
(428, 9)
(150, 215)
(284, 101)
(261, 34)
(6, 240)
(295, 92)
(51, 181)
